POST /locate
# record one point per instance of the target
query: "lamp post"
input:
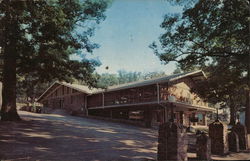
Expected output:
(172, 100)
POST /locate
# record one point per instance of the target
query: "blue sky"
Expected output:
(129, 28)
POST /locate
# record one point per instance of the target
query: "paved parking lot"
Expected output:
(64, 137)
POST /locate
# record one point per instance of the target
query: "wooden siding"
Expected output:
(65, 98)
(182, 92)
(181, 89)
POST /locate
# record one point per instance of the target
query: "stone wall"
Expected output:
(241, 131)
(203, 147)
(233, 142)
(219, 138)
(172, 142)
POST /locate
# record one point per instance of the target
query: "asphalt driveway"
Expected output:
(69, 138)
(61, 137)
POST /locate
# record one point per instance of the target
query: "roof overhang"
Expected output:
(156, 103)
(195, 107)
(48, 90)
(55, 85)
(196, 76)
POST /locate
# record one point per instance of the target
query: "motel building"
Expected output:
(150, 102)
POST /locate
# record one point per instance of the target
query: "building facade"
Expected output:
(147, 101)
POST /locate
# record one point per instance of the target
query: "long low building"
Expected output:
(150, 101)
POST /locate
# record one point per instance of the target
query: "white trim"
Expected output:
(121, 105)
(203, 108)
(68, 85)
(132, 84)
(46, 90)
(63, 84)
(149, 82)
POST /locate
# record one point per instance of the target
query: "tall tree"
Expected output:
(224, 88)
(106, 80)
(126, 77)
(38, 37)
(123, 76)
(209, 31)
(151, 75)
(29, 88)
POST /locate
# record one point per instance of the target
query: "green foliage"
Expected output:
(48, 33)
(126, 77)
(213, 36)
(28, 89)
(107, 80)
(209, 35)
(123, 76)
(216, 29)
(42, 35)
(152, 75)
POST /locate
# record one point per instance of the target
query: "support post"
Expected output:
(204, 119)
(166, 114)
(172, 112)
(85, 105)
(102, 100)
(158, 93)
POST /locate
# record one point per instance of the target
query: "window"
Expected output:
(56, 93)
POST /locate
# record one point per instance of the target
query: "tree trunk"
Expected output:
(247, 111)
(8, 110)
(232, 112)
(232, 115)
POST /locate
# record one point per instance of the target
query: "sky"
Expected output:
(126, 33)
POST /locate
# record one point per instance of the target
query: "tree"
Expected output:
(126, 77)
(123, 76)
(209, 32)
(177, 70)
(107, 80)
(38, 37)
(225, 89)
(222, 86)
(151, 75)
(29, 88)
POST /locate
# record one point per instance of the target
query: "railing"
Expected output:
(138, 95)
(127, 96)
